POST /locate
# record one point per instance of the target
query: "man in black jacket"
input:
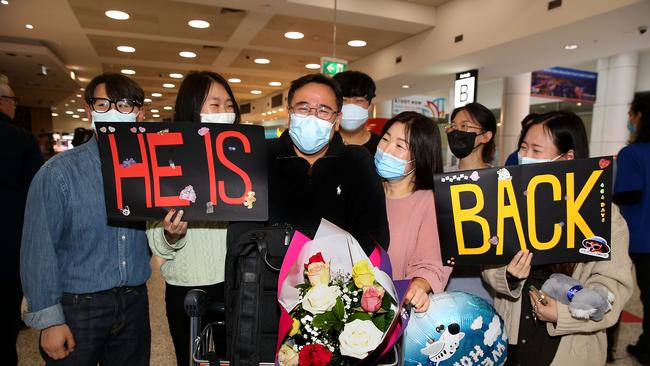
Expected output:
(314, 175)
(20, 158)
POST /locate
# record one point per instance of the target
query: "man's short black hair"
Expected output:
(117, 87)
(356, 84)
(318, 79)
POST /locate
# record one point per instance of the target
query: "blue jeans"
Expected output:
(109, 327)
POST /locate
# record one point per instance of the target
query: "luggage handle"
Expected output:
(260, 239)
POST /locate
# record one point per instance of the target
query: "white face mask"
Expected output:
(354, 117)
(309, 133)
(228, 118)
(113, 116)
(523, 160)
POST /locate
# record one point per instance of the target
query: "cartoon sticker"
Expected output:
(503, 174)
(474, 176)
(209, 208)
(250, 199)
(203, 131)
(111, 128)
(171, 164)
(128, 162)
(188, 194)
(595, 246)
(126, 211)
(103, 129)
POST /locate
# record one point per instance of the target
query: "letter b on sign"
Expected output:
(464, 92)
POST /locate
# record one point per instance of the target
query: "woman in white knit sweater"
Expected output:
(194, 254)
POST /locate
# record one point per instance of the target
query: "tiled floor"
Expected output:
(162, 348)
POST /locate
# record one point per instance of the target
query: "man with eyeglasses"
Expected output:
(312, 175)
(20, 158)
(84, 277)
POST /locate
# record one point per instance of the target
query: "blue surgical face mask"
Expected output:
(309, 133)
(523, 160)
(354, 117)
(631, 127)
(113, 115)
(390, 167)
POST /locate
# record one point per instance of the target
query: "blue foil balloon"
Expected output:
(458, 329)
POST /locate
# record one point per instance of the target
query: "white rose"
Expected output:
(359, 338)
(320, 299)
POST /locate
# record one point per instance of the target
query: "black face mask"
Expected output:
(461, 143)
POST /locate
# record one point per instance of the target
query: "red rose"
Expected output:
(314, 355)
(318, 257)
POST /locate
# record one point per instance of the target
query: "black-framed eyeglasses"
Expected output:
(103, 105)
(15, 99)
(322, 111)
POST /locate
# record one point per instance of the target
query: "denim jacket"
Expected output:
(68, 245)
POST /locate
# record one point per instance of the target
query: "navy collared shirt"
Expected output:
(68, 245)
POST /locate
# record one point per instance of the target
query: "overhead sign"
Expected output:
(561, 211)
(432, 107)
(213, 172)
(565, 84)
(332, 66)
(465, 88)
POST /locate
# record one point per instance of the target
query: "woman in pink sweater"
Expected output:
(407, 157)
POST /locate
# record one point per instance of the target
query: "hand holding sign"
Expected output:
(174, 227)
(519, 266)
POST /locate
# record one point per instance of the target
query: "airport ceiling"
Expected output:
(77, 36)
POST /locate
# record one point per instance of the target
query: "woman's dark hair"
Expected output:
(192, 93)
(567, 130)
(488, 122)
(356, 84)
(318, 79)
(641, 104)
(117, 87)
(424, 144)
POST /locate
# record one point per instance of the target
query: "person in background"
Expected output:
(407, 157)
(547, 334)
(513, 158)
(632, 193)
(470, 135)
(20, 158)
(194, 253)
(81, 136)
(84, 277)
(358, 90)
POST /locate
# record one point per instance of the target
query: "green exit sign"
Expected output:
(332, 66)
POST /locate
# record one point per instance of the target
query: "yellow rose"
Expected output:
(287, 356)
(318, 273)
(295, 328)
(362, 274)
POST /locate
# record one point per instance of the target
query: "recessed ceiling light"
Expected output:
(280, 109)
(168, 108)
(234, 80)
(85, 119)
(357, 43)
(53, 114)
(263, 113)
(312, 66)
(168, 85)
(126, 49)
(294, 35)
(82, 89)
(73, 75)
(75, 116)
(80, 110)
(197, 23)
(154, 111)
(275, 83)
(78, 95)
(187, 54)
(117, 15)
(66, 104)
(570, 47)
(72, 100)
(156, 94)
(155, 115)
(262, 61)
(147, 100)
(29, 26)
(175, 75)
(69, 112)
(255, 91)
(127, 72)
(405, 86)
(4, 2)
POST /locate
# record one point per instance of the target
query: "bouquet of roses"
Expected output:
(340, 306)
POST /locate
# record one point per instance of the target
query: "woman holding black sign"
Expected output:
(470, 135)
(407, 157)
(541, 330)
(194, 254)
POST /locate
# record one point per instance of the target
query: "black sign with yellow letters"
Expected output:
(561, 211)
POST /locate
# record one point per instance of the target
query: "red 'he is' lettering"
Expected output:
(137, 170)
(154, 140)
(248, 186)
